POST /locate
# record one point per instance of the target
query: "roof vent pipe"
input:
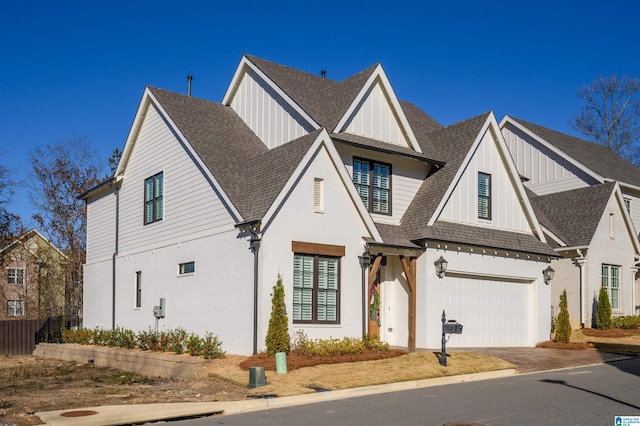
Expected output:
(323, 73)
(189, 78)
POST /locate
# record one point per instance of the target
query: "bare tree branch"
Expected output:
(610, 114)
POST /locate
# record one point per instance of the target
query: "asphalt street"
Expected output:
(592, 395)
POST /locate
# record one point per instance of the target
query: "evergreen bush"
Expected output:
(563, 324)
(603, 310)
(278, 332)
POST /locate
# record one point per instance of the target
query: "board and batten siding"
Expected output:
(407, 176)
(506, 210)
(375, 118)
(191, 207)
(547, 171)
(101, 227)
(272, 119)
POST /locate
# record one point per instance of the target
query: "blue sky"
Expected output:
(79, 68)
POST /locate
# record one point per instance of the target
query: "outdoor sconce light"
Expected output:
(365, 260)
(441, 266)
(548, 274)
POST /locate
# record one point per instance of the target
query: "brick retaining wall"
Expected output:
(147, 363)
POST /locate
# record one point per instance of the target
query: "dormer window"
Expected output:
(373, 183)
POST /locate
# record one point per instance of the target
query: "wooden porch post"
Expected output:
(410, 273)
(374, 330)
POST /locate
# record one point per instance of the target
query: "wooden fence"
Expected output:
(19, 337)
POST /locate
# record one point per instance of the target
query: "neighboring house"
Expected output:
(587, 199)
(351, 195)
(31, 280)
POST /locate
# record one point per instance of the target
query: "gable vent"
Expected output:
(318, 196)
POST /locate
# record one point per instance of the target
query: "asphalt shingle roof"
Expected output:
(219, 136)
(575, 214)
(596, 157)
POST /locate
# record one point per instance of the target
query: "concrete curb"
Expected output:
(126, 414)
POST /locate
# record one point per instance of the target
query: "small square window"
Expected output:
(15, 308)
(187, 268)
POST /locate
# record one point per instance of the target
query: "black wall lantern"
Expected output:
(441, 266)
(548, 274)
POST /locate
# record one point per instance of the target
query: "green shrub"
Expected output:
(277, 339)
(176, 340)
(194, 345)
(563, 324)
(603, 310)
(303, 346)
(627, 322)
(212, 347)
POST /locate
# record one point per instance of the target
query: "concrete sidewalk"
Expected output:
(526, 360)
(126, 414)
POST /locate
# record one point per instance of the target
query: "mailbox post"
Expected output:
(448, 327)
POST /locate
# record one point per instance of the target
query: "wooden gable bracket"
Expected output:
(409, 269)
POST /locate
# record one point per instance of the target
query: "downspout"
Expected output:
(634, 270)
(581, 261)
(255, 248)
(365, 260)
(113, 263)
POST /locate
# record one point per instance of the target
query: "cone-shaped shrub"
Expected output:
(278, 333)
(603, 310)
(563, 324)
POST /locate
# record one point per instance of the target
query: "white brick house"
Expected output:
(306, 177)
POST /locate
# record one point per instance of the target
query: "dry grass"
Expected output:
(412, 366)
(614, 340)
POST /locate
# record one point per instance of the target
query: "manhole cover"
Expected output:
(79, 413)
(463, 424)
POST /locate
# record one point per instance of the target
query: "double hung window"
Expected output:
(373, 183)
(316, 288)
(611, 281)
(153, 190)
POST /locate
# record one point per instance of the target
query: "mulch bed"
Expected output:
(296, 361)
(559, 345)
(611, 333)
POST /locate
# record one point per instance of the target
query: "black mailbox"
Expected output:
(452, 327)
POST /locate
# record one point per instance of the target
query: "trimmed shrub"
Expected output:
(627, 322)
(277, 339)
(603, 310)
(563, 324)
(303, 346)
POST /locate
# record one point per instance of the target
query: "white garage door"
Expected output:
(493, 313)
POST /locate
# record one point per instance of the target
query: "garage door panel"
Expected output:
(493, 313)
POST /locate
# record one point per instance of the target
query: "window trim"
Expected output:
(155, 197)
(315, 290)
(15, 276)
(486, 198)
(607, 280)
(371, 187)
